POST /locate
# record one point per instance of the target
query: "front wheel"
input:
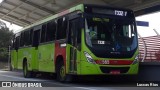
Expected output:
(26, 73)
(61, 73)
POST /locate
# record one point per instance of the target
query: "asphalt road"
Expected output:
(81, 85)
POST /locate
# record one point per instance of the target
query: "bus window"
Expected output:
(30, 36)
(51, 29)
(26, 39)
(22, 39)
(17, 42)
(36, 37)
(61, 28)
(43, 33)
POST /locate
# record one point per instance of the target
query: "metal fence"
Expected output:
(149, 49)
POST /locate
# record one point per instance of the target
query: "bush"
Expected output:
(5, 40)
(3, 54)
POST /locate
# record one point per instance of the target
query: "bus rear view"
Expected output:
(110, 43)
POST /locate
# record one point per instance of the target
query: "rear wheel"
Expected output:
(26, 72)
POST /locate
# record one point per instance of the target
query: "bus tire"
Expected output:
(26, 72)
(61, 74)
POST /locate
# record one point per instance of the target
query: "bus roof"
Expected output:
(75, 8)
(78, 7)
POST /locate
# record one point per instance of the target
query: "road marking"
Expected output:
(85, 88)
(3, 71)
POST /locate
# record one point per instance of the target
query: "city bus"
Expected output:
(83, 40)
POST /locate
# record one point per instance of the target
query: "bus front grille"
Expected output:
(110, 69)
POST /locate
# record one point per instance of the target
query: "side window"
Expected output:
(26, 38)
(51, 29)
(22, 39)
(17, 42)
(36, 37)
(43, 33)
(62, 24)
(31, 36)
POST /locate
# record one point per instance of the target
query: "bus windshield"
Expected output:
(110, 34)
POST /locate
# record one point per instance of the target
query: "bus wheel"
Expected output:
(26, 73)
(61, 74)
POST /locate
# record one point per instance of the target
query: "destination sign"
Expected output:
(110, 12)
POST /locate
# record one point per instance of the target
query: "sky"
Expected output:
(13, 27)
(153, 19)
(154, 23)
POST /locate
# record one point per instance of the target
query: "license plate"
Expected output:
(115, 72)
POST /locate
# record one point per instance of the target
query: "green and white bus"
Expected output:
(83, 40)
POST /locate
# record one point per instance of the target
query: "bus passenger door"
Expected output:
(35, 44)
(74, 38)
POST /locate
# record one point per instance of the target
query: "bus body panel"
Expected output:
(46, 57)
(60, 52)
(14, 61)
(33, 59)
(91, 69)
(27, 53)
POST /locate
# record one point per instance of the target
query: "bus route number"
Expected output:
(120, 13)
(101, 42)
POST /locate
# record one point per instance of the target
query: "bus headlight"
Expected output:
(136, 60)
(89, 58)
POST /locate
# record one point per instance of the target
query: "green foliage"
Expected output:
(5, 40)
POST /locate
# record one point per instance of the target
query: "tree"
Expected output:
(5, 40)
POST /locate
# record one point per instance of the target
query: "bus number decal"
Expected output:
(120, 13)
(105, 61)
(101, 42)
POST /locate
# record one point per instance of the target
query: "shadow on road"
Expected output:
(95, 81)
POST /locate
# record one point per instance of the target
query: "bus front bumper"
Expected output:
(96, 69)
